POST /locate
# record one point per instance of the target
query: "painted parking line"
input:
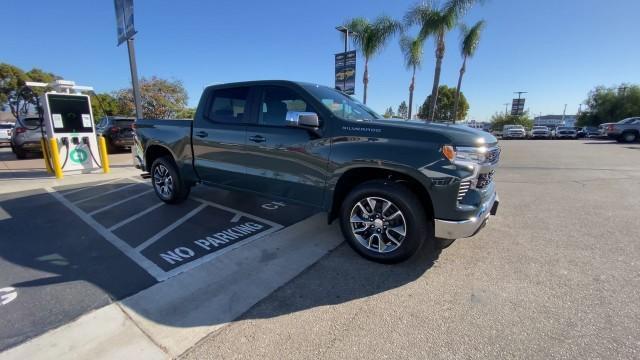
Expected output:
(153, 269)
(120, 202)
(69, 192)
(136, 216)
(197, 231)
(166, 230)
(77, 202)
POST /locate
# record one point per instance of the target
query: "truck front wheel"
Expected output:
(167, 182)
(384, 221)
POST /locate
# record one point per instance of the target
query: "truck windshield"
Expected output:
(341, 105)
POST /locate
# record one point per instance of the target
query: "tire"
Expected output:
(629, 137)
(371, 236)
(110, 148)
(20, 154)
(167, 183)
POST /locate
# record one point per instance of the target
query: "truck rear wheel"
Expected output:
(384, 222)
(167, 182)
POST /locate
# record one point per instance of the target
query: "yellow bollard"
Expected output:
(104, 156)
(55, 158)
(45, 155)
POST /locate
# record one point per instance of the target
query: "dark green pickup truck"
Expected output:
(393, 184)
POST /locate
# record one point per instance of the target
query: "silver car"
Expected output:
(5, 134)
(26, 136)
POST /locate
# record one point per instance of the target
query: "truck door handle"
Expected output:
(202, 134)
(258, 139)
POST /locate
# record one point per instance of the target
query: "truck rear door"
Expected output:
(219, 135)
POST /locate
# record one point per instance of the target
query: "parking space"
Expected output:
(69, 249)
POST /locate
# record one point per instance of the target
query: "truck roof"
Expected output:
(264, 83)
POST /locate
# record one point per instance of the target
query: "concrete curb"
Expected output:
(168, 318)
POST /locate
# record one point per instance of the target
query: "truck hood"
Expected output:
(458, 135)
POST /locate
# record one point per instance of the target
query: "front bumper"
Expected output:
(447, 229)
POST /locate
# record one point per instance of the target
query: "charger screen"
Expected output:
(70, 113)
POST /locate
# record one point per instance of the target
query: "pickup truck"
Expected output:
(393, 185)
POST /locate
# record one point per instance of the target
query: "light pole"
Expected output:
(506, 106)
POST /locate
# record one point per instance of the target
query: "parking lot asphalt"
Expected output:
(12, 168)
(554, 275)
(69, 249)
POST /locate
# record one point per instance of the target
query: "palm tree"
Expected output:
(470, 37)
(369, 38)
(412, 50)
(437, 21)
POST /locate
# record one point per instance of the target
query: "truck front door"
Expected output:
(285, 161)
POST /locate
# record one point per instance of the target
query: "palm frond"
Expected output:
(470, 38)
(412, 50)
(370, 37)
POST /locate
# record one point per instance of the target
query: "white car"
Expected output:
(566, 133)
(540, 132)
(514, 132)
(5, 133)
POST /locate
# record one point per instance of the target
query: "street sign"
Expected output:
(517, 107)
(124, 20)
(345, 74)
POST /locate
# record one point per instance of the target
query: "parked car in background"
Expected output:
(514, 132)
(604, 126)
(627, 130)
(26, 136)
(565, 132)
(5, 134)
(588, 132)
(117, 131)
(540, 132)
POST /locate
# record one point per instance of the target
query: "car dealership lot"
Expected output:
(555, 274)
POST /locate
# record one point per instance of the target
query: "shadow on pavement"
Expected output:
(339, 278)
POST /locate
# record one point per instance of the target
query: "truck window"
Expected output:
(228, 105)
(276, 102)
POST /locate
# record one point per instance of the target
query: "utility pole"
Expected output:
(134, 78)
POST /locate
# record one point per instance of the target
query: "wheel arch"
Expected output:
(155, 151)
(357, 175)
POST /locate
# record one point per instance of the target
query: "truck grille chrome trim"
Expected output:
(464, 187)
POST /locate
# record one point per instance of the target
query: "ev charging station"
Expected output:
(72, 145)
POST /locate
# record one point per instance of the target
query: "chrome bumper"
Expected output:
(447, 229)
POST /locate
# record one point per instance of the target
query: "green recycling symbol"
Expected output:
(78, 156)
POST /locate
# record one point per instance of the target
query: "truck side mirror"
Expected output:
(303, 119)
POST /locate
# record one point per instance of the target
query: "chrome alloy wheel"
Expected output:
(162, 181)
(378, 224)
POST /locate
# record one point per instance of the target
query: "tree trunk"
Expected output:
(365, 80)
(455, 106)
(436, 76)
(411, 88)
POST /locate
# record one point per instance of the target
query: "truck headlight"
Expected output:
(476, 155)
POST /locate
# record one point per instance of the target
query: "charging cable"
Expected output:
(85, 140)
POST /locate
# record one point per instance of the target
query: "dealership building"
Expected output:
(555, 120)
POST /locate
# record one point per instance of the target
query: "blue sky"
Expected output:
(557, 50)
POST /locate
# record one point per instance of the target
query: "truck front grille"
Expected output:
(464, 187)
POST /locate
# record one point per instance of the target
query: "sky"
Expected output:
(556, 50)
